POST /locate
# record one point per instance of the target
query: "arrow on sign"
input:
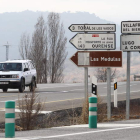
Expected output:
(97, 58)
(94, 41)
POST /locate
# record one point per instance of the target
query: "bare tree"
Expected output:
(101, 74)
(47, 48)
(39, 50)
(24, 46)
(57, 47)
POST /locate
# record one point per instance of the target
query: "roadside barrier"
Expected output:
(93, 112)
(115, 93)
(10, 119)
(94, 86)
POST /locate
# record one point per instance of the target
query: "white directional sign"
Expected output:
(94, 41)
(130, 26)
(130, 42)
(93, 28)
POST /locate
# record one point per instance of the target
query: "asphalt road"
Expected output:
(119, 130)
(60, 96)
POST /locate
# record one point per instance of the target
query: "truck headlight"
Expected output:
(15, 76)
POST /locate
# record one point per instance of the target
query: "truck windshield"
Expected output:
(10, 66)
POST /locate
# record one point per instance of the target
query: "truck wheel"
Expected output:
(22, 86)
(32, 86)
(5, 89)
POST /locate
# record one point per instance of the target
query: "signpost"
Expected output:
(130, 27)
(94, 41)
(92, 28)
(97, 58)
(130, 42)
(128, 87)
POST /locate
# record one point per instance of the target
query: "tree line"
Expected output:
(46, 48)
(101, 74)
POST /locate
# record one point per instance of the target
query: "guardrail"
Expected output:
(136, 76)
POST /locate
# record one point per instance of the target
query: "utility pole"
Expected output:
(7, 50)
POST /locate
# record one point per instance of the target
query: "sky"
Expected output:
(112, 10)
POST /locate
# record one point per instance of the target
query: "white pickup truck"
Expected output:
(16, 74)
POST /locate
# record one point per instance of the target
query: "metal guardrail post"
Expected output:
(93, 112)
(10, 119)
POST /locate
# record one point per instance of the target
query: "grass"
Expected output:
(80, 115)
(101, 111)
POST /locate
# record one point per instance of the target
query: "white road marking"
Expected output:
(130, 91)
(122, 92)
(8, 139)
(59, 86)
(63, 91)
(53, 92)
(76, 89)
(41, 112)
(60, 91)
(122, 85)
(81, 133)
(134, 84)
(135, 91)
(101, 125)
(9, 100)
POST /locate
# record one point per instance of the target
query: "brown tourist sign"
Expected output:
(97, 58)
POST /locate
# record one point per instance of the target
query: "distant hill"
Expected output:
(12, 25)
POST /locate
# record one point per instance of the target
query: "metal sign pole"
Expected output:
(86, 82)
(108, 93)
(128, 86)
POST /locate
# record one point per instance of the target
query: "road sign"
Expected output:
(130, 27)
(130, 43)
(94, 41)
(93, 28)
(97, 58)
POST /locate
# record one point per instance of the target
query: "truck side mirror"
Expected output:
(26, 69)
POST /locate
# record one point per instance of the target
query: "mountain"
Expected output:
(12, 25)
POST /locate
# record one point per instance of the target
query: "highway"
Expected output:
(60, 96)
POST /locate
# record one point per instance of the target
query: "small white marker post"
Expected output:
(115, 93)
(94, 86)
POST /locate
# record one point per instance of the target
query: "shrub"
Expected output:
(29, 106)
